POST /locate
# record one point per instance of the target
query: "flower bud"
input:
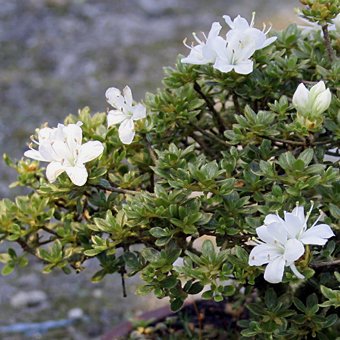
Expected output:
(310, 104)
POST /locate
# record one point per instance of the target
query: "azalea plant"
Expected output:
(225, 182)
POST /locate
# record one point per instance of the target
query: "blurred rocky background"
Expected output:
(57, 56)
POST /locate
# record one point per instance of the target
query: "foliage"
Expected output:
(146, 206)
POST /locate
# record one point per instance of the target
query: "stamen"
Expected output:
(185, 44)
(196, 38)
(318, 219)
(252, 19)
(268, 30)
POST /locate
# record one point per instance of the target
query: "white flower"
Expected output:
(313, 102)
(204, 52)
(234, 55)
(125, 112)
(336, 22)
(283, 242)
(62, 147)
(276, 250)
(296, 226)
(241, 42)
(240, 27)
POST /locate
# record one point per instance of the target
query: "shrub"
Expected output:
(239, 145)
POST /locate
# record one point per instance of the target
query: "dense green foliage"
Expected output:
(216, 154)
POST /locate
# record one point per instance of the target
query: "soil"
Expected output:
(198, 320)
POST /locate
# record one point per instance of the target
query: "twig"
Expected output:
(201, 143)
(118, 190)
(122, 272)
(285, 141)
(199, 319)
(236, 104)
(328, 42)
(210, 104)
(325, 264)
(50, 231)
(210, 135)
(152, 152)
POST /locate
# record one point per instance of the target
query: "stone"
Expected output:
(28, 299)
(75, 313)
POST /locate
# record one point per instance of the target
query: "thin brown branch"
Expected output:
(328, 44)
(118, 190)
(201, 143)
(236, 104)
(151, 151)
(218, 119)
(211, 135)
(284, 141)
(325, 264)
(50, 231)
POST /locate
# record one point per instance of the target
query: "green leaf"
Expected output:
(306, 156)
(176, 304)
(7, 269)
(158, 232)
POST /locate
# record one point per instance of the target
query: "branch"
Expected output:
(236, 104)
(210, 104)
(325, 264)
(118, 190)
(328, 42)
(201, 143)
(151, 151)
(285, 141)
(210, 135)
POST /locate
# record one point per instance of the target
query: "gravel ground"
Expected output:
(57, 56)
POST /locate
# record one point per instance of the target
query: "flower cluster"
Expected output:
(62, 147)
(233, 52)
(282, 242)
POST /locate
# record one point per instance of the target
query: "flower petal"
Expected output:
(322, 102)
(271, 218)
(263, 253)
(115, 117)
(317, 235)
(214, 30)
(78, 175)
(273, 234)
(293, 225)
(299, 212)
(35, 154)
(127, 95)
(267, 42)
(294, 249)
(73, 133)
(126, 131)
(238, 23)
(274, 270)
(222, 65)
(317, 89)
(53, 170)
(90, 151)
(300, 97)
(195, 56)
(138, 112)
(114, 97)
(244, 67)
(296, 272)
